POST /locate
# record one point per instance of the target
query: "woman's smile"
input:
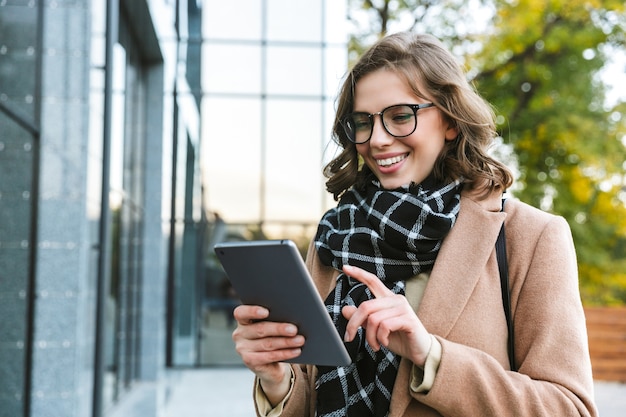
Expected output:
(385, 162)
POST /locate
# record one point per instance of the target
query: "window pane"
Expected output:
(290, 20)
(232, 157)
(336, 67)
(239, 19)
(232, 68)
(330, 148)
(294, 71)
(336, 25)
(294, 160)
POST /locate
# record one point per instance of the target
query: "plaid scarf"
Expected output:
(395, 234)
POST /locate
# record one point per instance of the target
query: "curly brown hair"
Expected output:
(424, 62)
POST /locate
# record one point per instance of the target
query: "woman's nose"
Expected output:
(380, 136)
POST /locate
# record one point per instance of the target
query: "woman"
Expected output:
(407, 264)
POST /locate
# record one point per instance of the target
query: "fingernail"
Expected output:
(346, 337)
(291, 329)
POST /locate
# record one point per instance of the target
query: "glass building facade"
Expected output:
(135, 134)
(270, 78)
(271, 72)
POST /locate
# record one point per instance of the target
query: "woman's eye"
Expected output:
(401, 117)
(361, 123)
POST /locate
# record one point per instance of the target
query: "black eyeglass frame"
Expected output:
(370, 116)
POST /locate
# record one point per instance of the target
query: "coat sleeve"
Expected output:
(299, 403)
(551, 347)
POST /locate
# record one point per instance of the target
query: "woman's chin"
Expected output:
(393, 184)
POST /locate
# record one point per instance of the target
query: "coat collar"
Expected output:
(462, 258)
(460, 262)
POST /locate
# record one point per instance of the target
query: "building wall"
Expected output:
(19, 142)
(83, 284)
(64, 296)
(102, 181)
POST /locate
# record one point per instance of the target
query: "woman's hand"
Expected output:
(263, 345)
(389, 319)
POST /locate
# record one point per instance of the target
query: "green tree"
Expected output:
(538, 62)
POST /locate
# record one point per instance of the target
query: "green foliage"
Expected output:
(537, 62)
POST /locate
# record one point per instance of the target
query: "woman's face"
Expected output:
(399, 161)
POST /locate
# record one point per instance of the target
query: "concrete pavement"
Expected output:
(611, 399)
(227, 392)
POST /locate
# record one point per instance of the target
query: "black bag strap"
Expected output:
(503, 268)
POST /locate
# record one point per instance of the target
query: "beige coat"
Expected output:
(462, 307)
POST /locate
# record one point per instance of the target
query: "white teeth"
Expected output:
(390, 161)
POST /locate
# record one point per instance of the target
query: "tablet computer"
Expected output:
(272, 274)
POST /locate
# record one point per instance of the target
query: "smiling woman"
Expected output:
(406, 263)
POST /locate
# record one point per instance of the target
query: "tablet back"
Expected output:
(272, 274)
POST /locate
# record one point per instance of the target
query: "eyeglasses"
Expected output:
(399, 120)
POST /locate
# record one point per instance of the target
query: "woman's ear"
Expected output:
(452, 132)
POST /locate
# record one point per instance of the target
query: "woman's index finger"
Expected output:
(372, 282)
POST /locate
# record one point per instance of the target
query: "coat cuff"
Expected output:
(263, 406)
(422, 380)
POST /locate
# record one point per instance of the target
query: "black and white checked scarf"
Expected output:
(395, 234)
